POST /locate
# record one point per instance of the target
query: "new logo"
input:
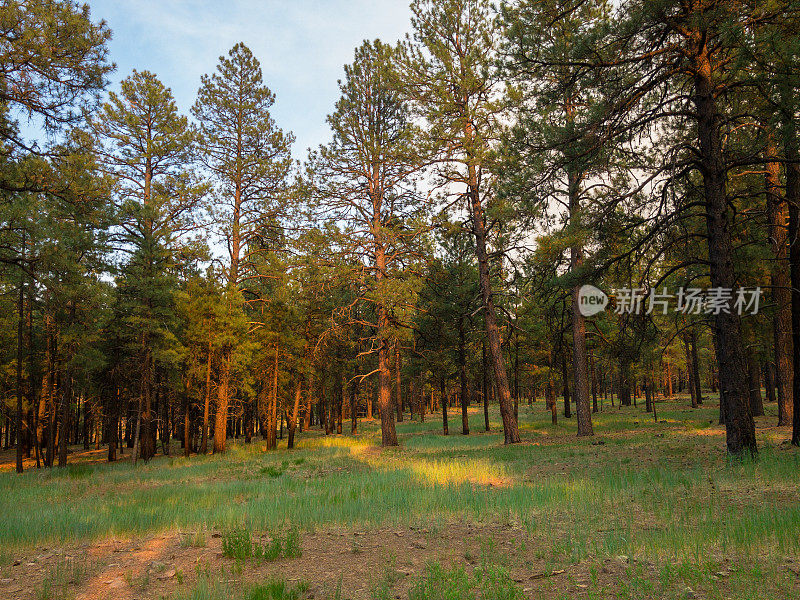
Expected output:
(591, 300)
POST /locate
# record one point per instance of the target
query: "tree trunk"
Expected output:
(20, 329)
(550, 392)
(339, 404)
(462, 376)
(688, 348)
(777, 212)
(64, 427)
(580, 361)
(398, 390)
(516, 378)
(486, 391)
(113, 425)
(739, 425)
(272, 411)
(754, 381)
(354, 406)
(594, 383)
(221, 414)
(769, 381)
(565, 382)
(443, 394)
(510, 430)
(295, 413)
(792, 155)
(207, 405)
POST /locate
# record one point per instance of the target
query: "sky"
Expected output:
(302, 46)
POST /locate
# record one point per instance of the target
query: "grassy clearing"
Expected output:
(661, 493)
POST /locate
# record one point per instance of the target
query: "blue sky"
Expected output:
(302, 46)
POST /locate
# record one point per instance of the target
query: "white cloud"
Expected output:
(302, 46)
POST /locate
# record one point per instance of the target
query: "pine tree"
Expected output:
(148, 148)
(54, 66)
(250, 159)
(541, 36)
(363, 180)
(448, 73)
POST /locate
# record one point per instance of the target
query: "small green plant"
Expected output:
(239, 544)
(489, 582)
(60, 576)
(274, 471)
(438, 583)
(193, 539)
(291, 547)
(277, 589)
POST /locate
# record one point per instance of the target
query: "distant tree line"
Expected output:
(180, 277)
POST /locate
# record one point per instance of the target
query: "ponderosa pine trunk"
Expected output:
(769, 381)
(443, 394)
(295, 413)
(207, 403)
(734, 397)
(187, 420)
(565, 383)
(398, 390)
(64, 426)
(754, 385)
(462, 376)
(113, 425)
(593, 375)
(272, 410)
(688, 349)
(510, 429)
(580, 358)
(792, 155)
(778, 214)
(624, 383)
(354, 406)
(223, 391)
(550, 392)
(20, 329)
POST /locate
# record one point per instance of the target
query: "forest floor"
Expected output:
(643, 509)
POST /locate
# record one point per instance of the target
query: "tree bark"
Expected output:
(777, 212)
(354, 406)
(688, 348)
(20, 329)
(207, 404)
(565, 383)
(462, 376)
(550, 392)
(510, 429)
(443, 394)
(769, 381)
(398, 390)
(754, 381)
(295, 413)
(580, 360)
(792, 155)
(272, 412)
(739, 425)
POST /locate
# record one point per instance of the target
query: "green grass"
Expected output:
(59, 577)
(239, 544)
(662, 491)
(208, 588)
(489, 582)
